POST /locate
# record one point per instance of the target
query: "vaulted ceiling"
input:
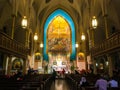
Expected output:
(80, 10)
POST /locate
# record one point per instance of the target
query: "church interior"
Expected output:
(40, 37)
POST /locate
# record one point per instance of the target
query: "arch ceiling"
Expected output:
(33, 9)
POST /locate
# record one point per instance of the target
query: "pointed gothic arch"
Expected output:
(66, 16)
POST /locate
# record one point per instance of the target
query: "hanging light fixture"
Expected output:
(82, 37)
(24, 22)
(35, 37)
(94, 22)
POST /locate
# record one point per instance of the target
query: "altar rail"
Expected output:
(109, 45)
(11, 46)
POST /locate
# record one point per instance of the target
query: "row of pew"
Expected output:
(28, 82)
(73, 81)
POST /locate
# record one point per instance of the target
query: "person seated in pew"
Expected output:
(112, 82)
(83, 82)
(101, 83)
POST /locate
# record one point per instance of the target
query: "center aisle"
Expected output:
(60, 84)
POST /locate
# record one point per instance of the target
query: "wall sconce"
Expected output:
(41, 45)
(24, 22)
(96, 64)
(76, 45)
(35, 37)
(82, 37)
(94, 22)
(107, 63)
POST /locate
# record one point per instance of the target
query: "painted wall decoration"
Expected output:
(59, 36)
(69, 21)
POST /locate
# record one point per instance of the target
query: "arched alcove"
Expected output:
(66, 16)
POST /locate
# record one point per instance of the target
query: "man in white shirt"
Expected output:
(113, 83)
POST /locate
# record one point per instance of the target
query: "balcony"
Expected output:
(12, 47)
(110, 45)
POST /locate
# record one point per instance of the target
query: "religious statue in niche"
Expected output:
(54, 63)
(17, 64)
(37, 56)
(80, 57)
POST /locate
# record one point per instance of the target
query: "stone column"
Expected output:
(92, 37)
(94, 65)
(106, 26)
(24, 66)
(13, 26)
(86, 63)
(27, 39)
(9, 65)
(5, 64)
(110, 65)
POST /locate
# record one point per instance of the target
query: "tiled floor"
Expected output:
(60, 84)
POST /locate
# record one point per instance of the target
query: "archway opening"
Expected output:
(59, 43)
(70, 24)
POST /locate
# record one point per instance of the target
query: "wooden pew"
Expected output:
(114, 88)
